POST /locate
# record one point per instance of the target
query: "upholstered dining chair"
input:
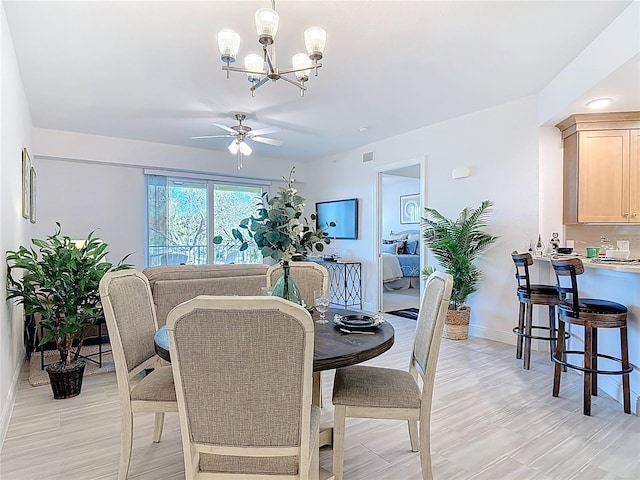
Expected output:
(309, 276)
(242, 368)
(131, 322)
(373, 392)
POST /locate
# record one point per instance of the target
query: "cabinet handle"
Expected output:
(626, 214)
(634, 214)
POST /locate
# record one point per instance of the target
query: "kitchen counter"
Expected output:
(613, 266)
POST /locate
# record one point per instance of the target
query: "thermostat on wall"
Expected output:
(462, 172)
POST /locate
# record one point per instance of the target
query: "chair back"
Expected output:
(131, 320)
(309, 277)
(243, 373)
(433, 312)
(522, 262)
(566, 271)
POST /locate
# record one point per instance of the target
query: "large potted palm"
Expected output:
(58, 281)
(456, 244)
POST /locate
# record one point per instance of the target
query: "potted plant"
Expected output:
(281, 232)
(59, 283)
(456, 244)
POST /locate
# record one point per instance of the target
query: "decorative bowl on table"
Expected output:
(565, 250)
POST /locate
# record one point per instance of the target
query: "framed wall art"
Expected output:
(410, 208)
(32, 195)
(26, 184)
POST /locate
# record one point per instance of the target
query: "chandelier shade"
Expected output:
(260, 69)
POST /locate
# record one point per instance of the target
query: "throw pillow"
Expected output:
(411, 248)
(390, 248)
(402, 247)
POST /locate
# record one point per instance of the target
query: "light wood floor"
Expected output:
(491, 420)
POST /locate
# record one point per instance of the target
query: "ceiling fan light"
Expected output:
(245, 149)
(299, 61)
(233, 147)
(315, 39)
(229, 44)
(255, 63)
(267, 25)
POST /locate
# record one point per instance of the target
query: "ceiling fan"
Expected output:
(240, 134)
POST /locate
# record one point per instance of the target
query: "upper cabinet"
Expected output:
(601, 168)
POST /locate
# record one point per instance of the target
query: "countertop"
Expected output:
(627, 267)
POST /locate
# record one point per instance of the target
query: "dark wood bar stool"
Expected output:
(592, 314)
(529, 295)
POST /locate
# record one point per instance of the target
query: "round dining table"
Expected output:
(333, 348)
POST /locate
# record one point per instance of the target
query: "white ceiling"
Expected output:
(151, 70)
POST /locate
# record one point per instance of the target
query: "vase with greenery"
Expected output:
(456, 243)
(58, 281)
(281, 232)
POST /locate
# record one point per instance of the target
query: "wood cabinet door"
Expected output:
(634, 177)
(603, 176)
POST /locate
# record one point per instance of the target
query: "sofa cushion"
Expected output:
(173, 284)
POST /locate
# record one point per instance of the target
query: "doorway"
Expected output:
(399, 205)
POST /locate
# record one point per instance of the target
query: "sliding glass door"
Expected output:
(183, 215)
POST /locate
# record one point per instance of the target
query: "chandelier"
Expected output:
(261, 68)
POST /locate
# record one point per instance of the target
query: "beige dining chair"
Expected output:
(131, 322)
(309, 277)
(373, 392)
(242, 368)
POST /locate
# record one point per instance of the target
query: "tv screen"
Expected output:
(345, 215)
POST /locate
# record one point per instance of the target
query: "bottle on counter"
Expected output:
(539, 247)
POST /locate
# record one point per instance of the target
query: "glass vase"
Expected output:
(286, 288)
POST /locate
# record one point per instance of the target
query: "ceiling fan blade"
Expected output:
(213, 136)
(264, 131)
(268, 141)
(224, 127)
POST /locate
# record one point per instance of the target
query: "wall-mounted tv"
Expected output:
(345, 215)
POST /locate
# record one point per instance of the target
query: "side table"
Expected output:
(345, 282)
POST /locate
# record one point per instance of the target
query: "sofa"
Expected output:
(173, 284)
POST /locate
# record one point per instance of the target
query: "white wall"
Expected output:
(392, 188)
(89, 182)
(15, 133)
(500, 146)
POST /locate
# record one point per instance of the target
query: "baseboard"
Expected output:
(9, 402)
(491, 334)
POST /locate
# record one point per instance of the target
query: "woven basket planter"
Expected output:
(66, 382)
(456, 325)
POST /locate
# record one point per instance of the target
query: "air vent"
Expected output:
(367, 157)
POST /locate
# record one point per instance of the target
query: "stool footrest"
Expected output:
(517, 331)
(626, 371)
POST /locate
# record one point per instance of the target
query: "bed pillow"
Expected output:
(398, 236)
(413, 237)
(390, 248)
(412, 248)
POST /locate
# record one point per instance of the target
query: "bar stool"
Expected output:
(592, 314)
(529, 295)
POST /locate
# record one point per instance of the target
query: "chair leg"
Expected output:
(126, 440)
(520, 330)
(413, 435)
(588, 346)
(339, 418)
(157, 427)
(624, 356)
(425, 448)
(552, 331)
(527, 337)
(317, 390)
(559, 356)
(314, 467)
(594, 361)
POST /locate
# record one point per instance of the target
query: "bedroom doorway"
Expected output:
(399, 209)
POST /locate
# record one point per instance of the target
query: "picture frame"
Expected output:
(32, 194)
(26, 184)
(410, 208)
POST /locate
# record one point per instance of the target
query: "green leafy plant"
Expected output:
(60, 283)
(456, 244)
(278, 227)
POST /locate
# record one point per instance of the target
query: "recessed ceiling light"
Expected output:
(363, 129)
(599, 102)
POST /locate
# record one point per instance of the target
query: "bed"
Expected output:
(401, 260)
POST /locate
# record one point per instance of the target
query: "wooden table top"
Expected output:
(332, 348)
